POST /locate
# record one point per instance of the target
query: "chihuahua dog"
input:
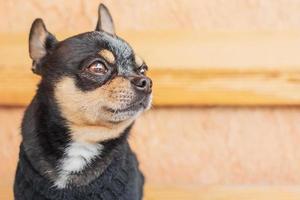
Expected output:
(74, 132)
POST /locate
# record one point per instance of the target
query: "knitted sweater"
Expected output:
(120, 181)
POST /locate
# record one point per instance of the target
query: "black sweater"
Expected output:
(121, 180)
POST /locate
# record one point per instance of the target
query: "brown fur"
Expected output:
(108, 56)
(85, 113)
(138, 60)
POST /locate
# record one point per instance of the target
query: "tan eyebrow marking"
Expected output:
(107, 55)
(138, 60)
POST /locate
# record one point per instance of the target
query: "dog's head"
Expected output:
(96, 77)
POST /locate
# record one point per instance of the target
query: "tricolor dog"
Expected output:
(74, 132)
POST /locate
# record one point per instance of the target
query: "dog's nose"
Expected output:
(142, 84)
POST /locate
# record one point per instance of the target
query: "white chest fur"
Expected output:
(76, 157)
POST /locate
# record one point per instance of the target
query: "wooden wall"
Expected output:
(205, 15)
(233, 54)
(196, 146)
(214, 52)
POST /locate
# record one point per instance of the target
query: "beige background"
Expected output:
(195, 146)
(184, 145)
(207, 15)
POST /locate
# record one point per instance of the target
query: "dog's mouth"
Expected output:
(134, 107)
(127, 112)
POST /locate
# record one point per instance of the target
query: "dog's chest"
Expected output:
(77, 156)
(121, 180)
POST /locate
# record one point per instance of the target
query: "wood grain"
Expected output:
(210, 15)
(229, 145)
(188, 68)
(184, 87)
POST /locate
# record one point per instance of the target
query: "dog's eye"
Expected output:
(143, 69)
(97, 68)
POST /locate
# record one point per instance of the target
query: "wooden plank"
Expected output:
(181, 49)
(154, 14)
(229, 145)
(206, 192)
(225, 87)
(184, 87)
(188, 68)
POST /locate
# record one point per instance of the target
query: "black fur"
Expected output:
(45, 131)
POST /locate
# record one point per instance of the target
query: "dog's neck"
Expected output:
(52, 151)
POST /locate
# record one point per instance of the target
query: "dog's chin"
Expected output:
(130, 112)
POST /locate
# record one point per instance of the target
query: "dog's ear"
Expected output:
(40, 43)
(105, 22)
